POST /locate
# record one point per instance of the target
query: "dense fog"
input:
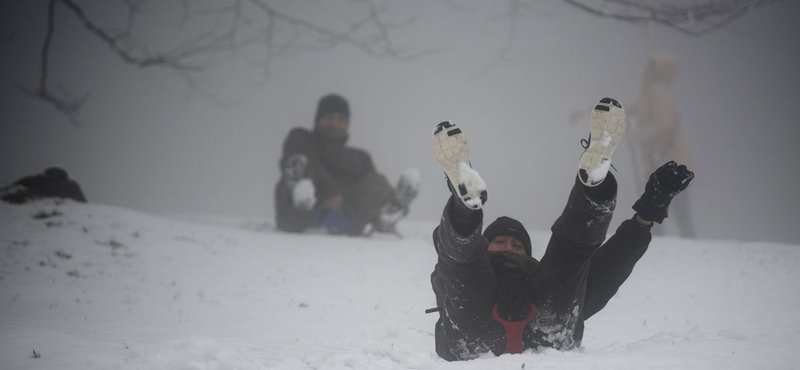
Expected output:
(150, 142)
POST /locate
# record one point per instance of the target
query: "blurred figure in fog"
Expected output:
(655, 129)
(325, 183)
(53, 183)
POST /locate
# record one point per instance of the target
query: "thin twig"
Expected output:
(696, 19)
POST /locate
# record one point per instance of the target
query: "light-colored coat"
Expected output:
(656, 129)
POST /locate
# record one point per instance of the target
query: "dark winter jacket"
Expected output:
(335, 169)
(575, 271)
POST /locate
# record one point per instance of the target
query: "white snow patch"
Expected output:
(303, 194)
(89, 286)
(606, 141)
(473, 181)
(600, 172)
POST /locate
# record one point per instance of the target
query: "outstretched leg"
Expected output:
(614, 261)
(463, 280)
(560, 278)
(404, 193)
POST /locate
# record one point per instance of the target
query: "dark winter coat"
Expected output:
(335, 169)
(574, 280)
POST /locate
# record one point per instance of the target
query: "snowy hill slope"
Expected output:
(99, 287)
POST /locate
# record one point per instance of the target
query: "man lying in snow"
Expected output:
(492, 295)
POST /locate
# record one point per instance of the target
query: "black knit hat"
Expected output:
(331, 103)
(508, 226)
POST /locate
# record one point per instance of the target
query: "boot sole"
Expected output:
(450, 147)
(607, 123)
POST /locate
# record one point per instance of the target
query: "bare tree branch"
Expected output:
(369, 35)
(512, 14)
(48, 38)
(600, 13)
(176, 60)
(381, 48)
(66, 105)
(695, 18)
(256, 32)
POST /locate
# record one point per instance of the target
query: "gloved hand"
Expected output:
(295, 167)
(515, 294)
(664, 184)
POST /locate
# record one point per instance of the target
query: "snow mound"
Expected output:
(87, 286)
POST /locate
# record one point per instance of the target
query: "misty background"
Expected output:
(150, 142)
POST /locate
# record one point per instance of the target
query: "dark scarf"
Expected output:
(327, 143)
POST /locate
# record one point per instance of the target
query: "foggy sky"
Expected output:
(149, 143)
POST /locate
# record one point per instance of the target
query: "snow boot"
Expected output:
(405, 192)
(295, 169)
(295, 177)
(607, 124)
(451, 149)
(407, 187)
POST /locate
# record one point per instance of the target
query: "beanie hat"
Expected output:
(508, 226)
(331, 103)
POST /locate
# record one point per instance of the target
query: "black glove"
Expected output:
(515, 294)
(664, 184)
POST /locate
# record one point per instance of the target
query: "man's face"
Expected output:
(333, 125)
(506, 243)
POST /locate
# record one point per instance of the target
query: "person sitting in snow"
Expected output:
(53, 183)
(326, 183)
(492, 295)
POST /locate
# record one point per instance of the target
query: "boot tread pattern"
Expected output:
(607, 124)
(450, 147)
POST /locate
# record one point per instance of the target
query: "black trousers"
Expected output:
(581, 270)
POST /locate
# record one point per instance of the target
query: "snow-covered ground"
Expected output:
(100, 287)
